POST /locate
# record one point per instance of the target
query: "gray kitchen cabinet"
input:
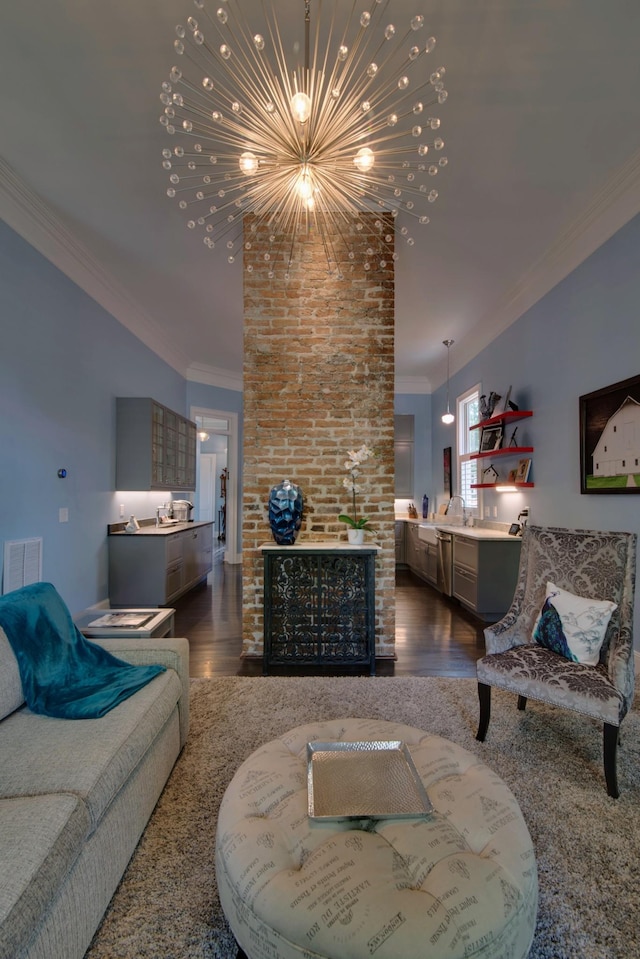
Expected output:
(485, 574)
(400, 553)
(413, 548)
(155, 569)
(403, 451)
(421, 557)
(155, 447)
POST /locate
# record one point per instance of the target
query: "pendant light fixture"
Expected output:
(313, 137)
(448, 417)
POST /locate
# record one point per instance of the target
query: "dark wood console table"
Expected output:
(319, 605)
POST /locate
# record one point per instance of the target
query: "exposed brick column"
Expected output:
(318, 381)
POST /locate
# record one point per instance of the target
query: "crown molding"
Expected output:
(214, 376)
(30, 216)
(412, 384)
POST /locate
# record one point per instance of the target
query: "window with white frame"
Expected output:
(468, 410)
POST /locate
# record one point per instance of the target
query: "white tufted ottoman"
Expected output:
(459, 884)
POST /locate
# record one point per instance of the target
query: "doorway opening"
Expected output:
(217, 484)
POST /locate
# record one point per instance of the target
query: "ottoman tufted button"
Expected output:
(457, 884)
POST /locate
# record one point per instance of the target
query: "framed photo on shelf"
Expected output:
(513, 476)
(491, 438)
(446, 463)
(522, 472)
(610, 439)
(505, 408)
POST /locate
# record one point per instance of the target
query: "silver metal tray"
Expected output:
(364, 780)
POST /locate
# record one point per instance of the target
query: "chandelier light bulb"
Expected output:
(448, 418)
(270, 125)
(364, 159)
(248, 163)
(304, 186)
(301, 107)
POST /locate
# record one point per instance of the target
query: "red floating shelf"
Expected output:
(513, 450)
(507, 417)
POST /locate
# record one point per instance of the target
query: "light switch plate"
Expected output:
(63, 514)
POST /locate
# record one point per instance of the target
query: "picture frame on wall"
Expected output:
(446, 463)
(610, 438)
(491, 438)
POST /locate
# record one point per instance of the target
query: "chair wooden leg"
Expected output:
(610, 750)
(522, 702)
(484, 695)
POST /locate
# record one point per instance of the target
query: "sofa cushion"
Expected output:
(11, 694)
(92, 758)
(40, 840)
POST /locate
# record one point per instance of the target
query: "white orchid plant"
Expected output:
(350, 482)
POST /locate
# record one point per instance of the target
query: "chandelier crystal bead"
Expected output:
(305, 136)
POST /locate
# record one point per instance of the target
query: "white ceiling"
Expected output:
(542, 131)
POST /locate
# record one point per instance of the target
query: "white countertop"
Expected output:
(471, 532)
(164, 530)
(477, 532)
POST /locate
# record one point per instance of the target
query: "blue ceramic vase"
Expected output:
(285, 512)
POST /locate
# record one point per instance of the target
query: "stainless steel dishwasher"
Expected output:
(445, 562)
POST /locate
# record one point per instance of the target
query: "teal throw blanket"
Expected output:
(62, 673)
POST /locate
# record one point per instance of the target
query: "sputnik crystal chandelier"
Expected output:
(318, 145)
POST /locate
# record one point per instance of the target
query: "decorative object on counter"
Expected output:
(446, 462)
(412, 511)
(133, 525)
(350, 482)
(286, 507)
(425, 507)
(181, 510)
(448, 417)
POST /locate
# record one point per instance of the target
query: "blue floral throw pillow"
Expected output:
(573, 626)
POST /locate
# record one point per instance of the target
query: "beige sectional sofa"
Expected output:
(75, 796)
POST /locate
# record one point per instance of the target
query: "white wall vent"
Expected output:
(22, 563)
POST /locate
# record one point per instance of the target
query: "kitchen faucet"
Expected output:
(464, 509)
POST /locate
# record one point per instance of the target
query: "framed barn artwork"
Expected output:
(610, 439)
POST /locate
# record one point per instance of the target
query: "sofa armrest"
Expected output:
(170, 652)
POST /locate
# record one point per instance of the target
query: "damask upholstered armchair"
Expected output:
(567, 638)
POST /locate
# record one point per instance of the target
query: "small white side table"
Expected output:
(155, 622)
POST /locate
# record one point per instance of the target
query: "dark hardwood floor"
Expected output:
(434, 636)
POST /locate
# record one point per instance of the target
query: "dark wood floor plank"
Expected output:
(435, 636)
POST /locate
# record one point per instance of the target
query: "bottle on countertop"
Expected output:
(425, 507)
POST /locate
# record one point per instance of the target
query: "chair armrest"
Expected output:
(506, 633)
(170, 652)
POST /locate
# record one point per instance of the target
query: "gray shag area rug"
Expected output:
(587, 845)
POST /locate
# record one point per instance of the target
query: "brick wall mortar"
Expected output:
(318, 381)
